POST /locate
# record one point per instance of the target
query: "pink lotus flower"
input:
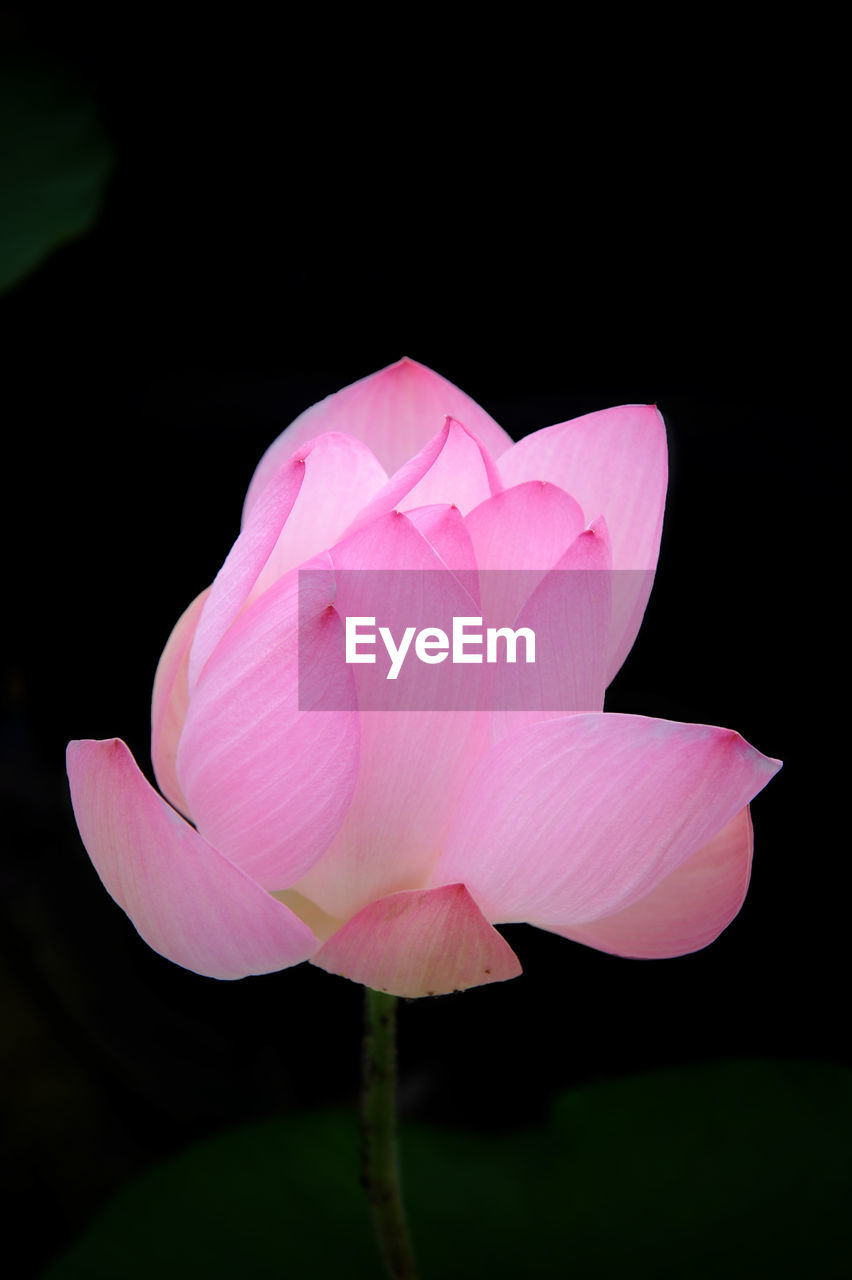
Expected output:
(385, 847)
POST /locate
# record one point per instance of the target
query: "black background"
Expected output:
(554, 229)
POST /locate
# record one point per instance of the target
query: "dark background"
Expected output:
(287, 214)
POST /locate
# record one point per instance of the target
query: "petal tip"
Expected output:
(421, 942)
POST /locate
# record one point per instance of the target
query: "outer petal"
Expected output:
(170, 700)
(267, 781)
(570, 820)
(427, 942)
(187, 901)
(395, 411)
(287, 526)
(687, 910)
(614, 463)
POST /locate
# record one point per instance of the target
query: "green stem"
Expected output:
(380, 1168)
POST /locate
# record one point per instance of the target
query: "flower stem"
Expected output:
(380, 1168)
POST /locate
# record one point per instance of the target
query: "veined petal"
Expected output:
(529, 526)
(426, 942)
(517, 536)
(687, 910)
(570, 614)
(341, 476)
(170, 700)
(243, 564)
(453, 468)
(185, 898)
(268, 781)
(338, 475)
(445, 529)
(413, 761)
(573, 819)
(395, 412)
(463, 473)
(614, 464)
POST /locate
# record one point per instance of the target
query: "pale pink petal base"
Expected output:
(185, 898)
(688, 910)
(423, 942)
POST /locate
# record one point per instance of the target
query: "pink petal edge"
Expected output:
(269, 781)
(424, 942)
(688, 910)
(169, 702)
(395, 411)
(572, 819)
(188, 902)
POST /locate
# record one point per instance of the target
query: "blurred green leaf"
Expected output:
(54, 159)
(732, 1169)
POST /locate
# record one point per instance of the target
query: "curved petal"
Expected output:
(614, 463)
(341, 476)
(526, 527)
(687, 910)
(517, 536)
(243, 564)
(427, 942)
(569, 613)
(186, 900)
(304, 508)
(395, 412)
(170, 700)
(453, 468)
(463, 473)
(445, 529)
(268, 781)
(413, 761)
(573, 819)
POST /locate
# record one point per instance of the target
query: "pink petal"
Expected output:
(569, 613)
(413, 762)
(445, 529)
(395, 412)
(428, 942)
(245, 560)
(577, 818)
(453, 468)
(614, 463)
(341, 476)
(268, 782)
(687, 910)
(338, 476)
(463, 473)
(187, 901)
(170, 701)
(517, 536)
(526, 527)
